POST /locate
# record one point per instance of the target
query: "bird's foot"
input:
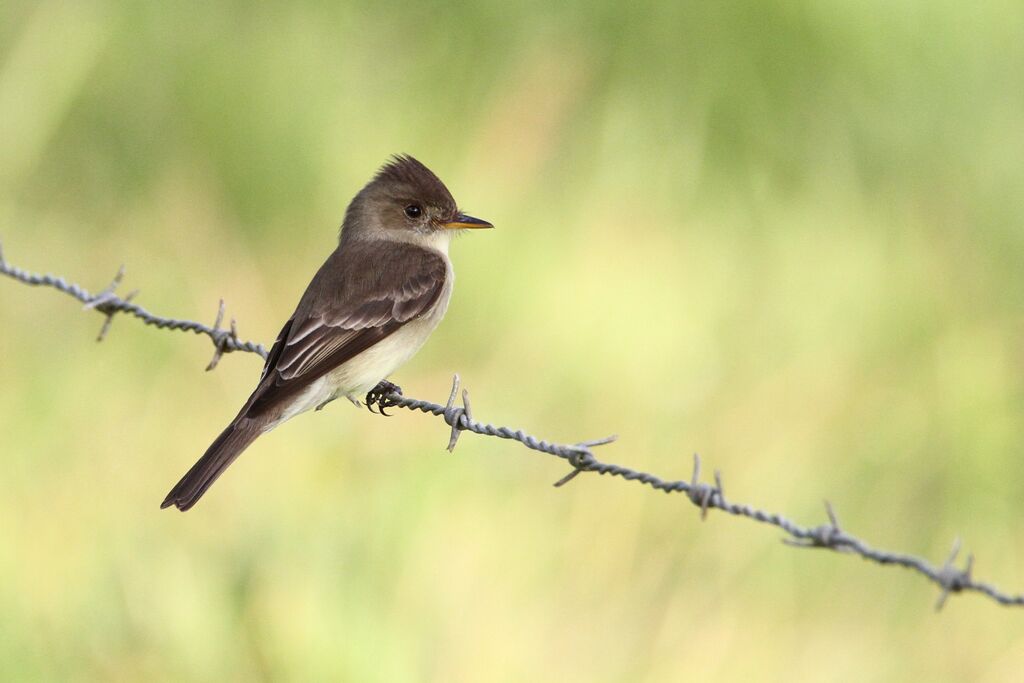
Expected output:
(380, 396)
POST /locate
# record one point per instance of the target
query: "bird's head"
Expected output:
(406, 202)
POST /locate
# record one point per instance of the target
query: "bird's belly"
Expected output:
(360, 374)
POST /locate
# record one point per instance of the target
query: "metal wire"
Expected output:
(948, 577)
(109, 304)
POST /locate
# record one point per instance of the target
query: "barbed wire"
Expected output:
(109, 304)
(830, 536)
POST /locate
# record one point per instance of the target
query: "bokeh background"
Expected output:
(786, 235)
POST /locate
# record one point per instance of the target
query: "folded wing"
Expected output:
(345, 311)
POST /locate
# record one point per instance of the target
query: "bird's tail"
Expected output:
(221, 453)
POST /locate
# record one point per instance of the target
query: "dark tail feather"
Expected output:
(221, 453)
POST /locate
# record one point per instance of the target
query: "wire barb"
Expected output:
(700, 494)
(454, 416)
(824, 536)
(579, 455)
(951, 579)
(224, 341)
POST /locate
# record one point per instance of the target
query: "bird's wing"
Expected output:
(350, 305)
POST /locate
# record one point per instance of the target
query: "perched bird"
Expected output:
(368, 309)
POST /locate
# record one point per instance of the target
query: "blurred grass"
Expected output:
(786, 235)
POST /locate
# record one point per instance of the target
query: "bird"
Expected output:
(367, 310)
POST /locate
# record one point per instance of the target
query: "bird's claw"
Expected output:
(380, 396)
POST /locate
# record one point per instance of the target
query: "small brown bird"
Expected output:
(369, 308)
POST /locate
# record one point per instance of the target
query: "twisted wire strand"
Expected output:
(110, 304)
(830, 536)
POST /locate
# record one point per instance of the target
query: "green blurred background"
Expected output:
(786, 235)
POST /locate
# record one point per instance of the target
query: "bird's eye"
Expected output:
(413, 211)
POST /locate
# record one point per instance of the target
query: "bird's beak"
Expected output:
(464, 222)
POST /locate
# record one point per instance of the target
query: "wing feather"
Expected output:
(348, 307)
